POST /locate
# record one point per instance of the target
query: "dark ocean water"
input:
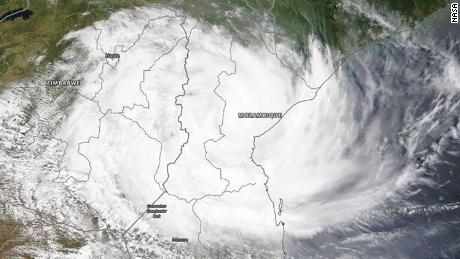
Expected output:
(409, 85)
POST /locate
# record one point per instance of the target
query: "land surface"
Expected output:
(29, 45)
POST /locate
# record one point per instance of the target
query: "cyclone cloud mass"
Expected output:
(179, 139)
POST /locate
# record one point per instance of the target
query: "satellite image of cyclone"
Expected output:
(229, 129)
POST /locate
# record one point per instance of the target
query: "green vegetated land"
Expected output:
(22, 41)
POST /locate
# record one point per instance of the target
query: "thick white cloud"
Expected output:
(179, 132)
